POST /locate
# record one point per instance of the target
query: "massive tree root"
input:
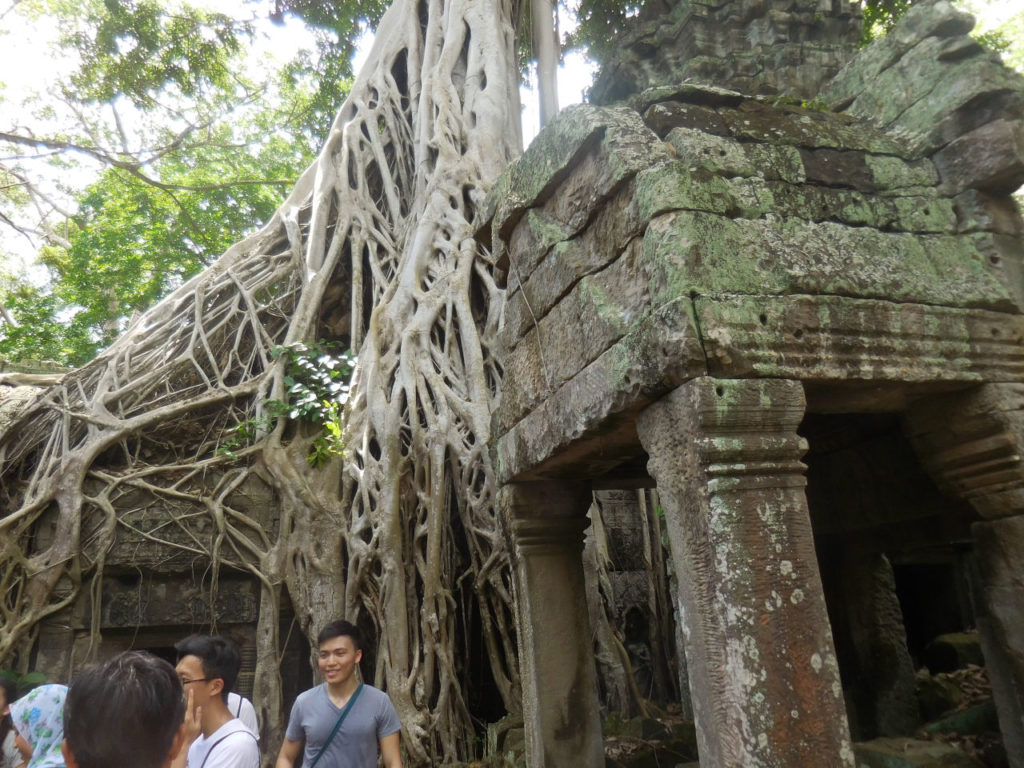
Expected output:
(373, 249)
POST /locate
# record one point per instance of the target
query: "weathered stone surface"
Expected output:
(663, 118)
(981, 212)
(972, 443)
(895, 173)
(975, 93)
(1000, 551)
(954, 650)
(922, 20)
(545, 160)
(597, 312)
(687, 92)
(531, 239)
(561, 711)
(764, 678)
(697, 253)
(911, 753)
(989, 158)
(583, 154)
(937, 695)
(980, 718)
(871, 642)
(928, 83)
(605, 239)
(726, 156)
(578, 423)
(759, 121)
(835, 338)
(680, 185)
(914, 77)
(177, 601)
(788, 49)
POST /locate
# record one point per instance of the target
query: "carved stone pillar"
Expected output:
(560, 704)
(763, 673)
(973, 444)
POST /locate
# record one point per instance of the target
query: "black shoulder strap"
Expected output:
(337, 725)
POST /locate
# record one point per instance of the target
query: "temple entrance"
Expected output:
(895, 555)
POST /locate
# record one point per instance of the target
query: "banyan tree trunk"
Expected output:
(374, 249)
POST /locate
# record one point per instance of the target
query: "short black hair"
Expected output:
(339, 629)
(124, 711)
(219, 657)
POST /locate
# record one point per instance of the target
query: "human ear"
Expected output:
(69, 756)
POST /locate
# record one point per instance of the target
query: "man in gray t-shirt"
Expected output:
(370, 727)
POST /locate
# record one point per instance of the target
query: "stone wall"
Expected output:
(702, 231)
(698, 269)
(790, 47)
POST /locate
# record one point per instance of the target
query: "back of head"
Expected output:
(219, 657)
(124, 711)
(338, 629)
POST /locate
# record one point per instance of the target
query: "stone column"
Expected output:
(561, 712)
(871, 640)
(763, 673)
(973, 443)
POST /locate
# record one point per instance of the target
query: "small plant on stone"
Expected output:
(317, 387)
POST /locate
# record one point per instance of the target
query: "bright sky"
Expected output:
(28, 67)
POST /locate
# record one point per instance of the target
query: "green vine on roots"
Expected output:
(317, 377)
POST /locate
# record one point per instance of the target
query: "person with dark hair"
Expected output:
(342, 722)
(10, 755)
(208, 667)
(125, 711)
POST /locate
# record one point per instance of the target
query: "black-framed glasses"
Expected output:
(196, 680)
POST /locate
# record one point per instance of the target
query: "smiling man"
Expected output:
(342, 723)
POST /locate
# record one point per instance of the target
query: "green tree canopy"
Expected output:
(193, 144)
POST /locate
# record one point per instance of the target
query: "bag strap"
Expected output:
(218, 741)
(337, 725)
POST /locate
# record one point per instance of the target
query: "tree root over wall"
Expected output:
(373, 249)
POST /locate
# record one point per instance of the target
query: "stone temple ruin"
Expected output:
(787, 290)
(780, 281)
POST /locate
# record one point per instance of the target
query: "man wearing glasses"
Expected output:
(208, 667)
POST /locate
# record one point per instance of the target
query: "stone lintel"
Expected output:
(839, 339)
(972, 443)
(561, 712)
(763, 673)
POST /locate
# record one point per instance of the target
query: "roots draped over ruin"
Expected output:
(373, 249)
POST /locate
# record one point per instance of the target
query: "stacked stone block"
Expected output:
(691, 270)
(787, 46)
(702, 231)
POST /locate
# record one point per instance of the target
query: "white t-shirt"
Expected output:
(242, 708)
(230, 746)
